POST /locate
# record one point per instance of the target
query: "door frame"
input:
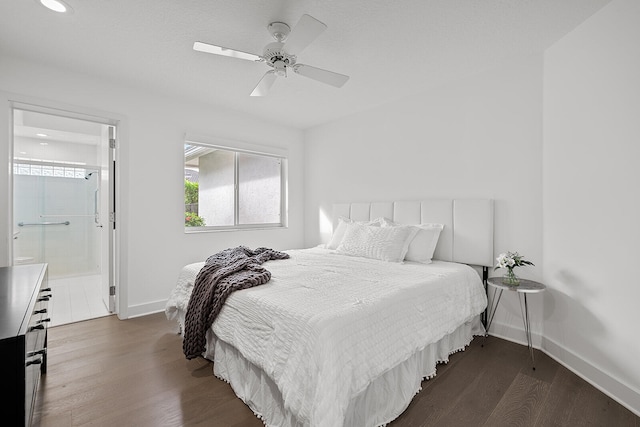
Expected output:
(15, 101)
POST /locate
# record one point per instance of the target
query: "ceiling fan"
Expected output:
(281, 54)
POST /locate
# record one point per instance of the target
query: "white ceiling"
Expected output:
(390, 49)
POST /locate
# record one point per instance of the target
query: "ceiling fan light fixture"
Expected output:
(56, 6)
(280, 69)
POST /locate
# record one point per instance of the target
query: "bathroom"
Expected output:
(61, 209)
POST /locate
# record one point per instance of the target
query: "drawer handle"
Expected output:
(33, 328)
(45, 290)
(44, 320)
(44, 298)
(44, 310)
(34, 362)
(35, 353)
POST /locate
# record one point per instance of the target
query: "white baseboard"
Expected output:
(144, 309)
(513, 334)
(616, 389)
(613, 387)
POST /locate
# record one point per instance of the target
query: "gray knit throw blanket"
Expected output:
(224, 272)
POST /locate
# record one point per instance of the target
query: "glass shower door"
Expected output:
(54, 207)
(28, 247)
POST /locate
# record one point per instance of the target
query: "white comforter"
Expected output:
(326, 325)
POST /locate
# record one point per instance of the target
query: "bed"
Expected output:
(340, 339)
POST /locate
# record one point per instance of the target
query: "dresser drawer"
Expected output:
(34, 361)
(24, 316)
(40, 318)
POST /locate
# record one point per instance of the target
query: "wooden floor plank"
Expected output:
(521, 404)
(108, 372)
(493, 368)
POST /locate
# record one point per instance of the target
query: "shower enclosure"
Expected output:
(61, 194)
(56, 211)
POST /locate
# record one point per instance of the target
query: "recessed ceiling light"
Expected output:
(44, 143)
(56, 5)
(43, 135)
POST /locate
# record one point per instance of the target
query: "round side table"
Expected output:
(524, 288)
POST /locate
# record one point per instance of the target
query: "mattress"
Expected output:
(321, 342)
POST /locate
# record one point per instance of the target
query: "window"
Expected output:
(61, 171)
(226, 188)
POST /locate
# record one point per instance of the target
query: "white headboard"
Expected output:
(467, 236)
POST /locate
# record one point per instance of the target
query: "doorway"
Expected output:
(63, 187)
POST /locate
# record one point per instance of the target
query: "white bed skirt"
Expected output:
(380, 403)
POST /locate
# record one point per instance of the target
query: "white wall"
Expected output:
(154, 246)
(480, 137)
(592, 200)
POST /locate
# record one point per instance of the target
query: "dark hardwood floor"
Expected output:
(108, 372)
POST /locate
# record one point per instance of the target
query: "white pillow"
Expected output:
(338, 233)
(383, 243)
(424, 243)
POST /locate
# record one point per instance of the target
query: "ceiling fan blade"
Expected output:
(219, 50)
(324, 76)
(305, 31)
(265, 84)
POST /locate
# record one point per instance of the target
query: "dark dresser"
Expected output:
(24, 301)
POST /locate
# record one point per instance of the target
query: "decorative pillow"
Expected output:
(383, 243)
(338, 233)
(424, 243)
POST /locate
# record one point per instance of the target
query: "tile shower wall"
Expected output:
(70, 250)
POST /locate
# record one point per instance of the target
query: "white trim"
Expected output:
(514, 334)
(233, 145)
(146, 309)
(613, 387)
(14, 101)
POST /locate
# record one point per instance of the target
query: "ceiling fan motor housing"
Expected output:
(275, 56)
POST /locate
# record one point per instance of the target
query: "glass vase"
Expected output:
(510, 278)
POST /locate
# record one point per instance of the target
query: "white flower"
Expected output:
(510, 260)
(503, 260)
